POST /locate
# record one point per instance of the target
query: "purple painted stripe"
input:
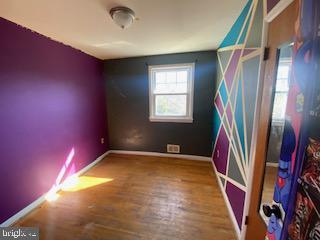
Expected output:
(236, 198)
(220, 155)
(219, 104)
(229, 75)
(247, 52)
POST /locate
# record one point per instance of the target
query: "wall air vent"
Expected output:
(171, 148)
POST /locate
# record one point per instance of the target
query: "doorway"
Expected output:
(271, 127)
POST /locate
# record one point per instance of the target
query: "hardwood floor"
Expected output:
(144, 198)
(269, 184)
(270, 179)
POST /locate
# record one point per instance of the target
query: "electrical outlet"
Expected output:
(102, 140)
(171, 148)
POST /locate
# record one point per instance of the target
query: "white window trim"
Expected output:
(190, 95)
(276, 121)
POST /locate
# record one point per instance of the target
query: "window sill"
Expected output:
(171, 120)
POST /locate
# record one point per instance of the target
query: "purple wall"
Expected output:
(51, 100)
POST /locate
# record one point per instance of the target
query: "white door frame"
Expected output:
(279, 8)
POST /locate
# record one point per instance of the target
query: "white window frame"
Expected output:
(188, 118)
(288, 62)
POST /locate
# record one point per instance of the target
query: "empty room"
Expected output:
(164, 120)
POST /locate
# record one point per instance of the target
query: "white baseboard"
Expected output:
(95, 162)
(156, 154)
(41, 199)
(23, 212)
(230, 211)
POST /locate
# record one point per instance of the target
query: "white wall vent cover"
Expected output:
(171, 148)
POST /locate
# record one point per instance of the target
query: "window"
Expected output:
(171, 93)
(281, 92)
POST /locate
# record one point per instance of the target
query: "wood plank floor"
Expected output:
(148, 198)
(270, 179)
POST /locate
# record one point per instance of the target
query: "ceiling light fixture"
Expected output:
(122, 16)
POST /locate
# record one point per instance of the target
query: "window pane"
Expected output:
(171, 105)
(283, 70)
(283, 77)
(160, 77)
(282, 85)
(171, 82)
(182, 76)
(279, 107)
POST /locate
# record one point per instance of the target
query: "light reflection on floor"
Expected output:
(76, 183)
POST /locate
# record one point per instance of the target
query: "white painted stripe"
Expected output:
(41, 199)
(157, 154)
(233, 47)
(238, 185)
(251, 55)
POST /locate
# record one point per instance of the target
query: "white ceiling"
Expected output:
(165, 26)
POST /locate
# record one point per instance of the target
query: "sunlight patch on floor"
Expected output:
(75, 183)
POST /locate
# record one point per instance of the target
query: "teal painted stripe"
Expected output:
(223, 93)
(245, 30)
(216, 124)
(232, 36)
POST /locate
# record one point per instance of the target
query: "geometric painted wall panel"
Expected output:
(247, 51)
(233, 94)
(219, 104)
(271, 4)
(235, 31)
(232, 68)
(223, 93)
(219, 78)
(216, 124)
(255, 36)
(221, 150)
(229, 114)
(239, 114)
(234, 110)
(234, 172)
(238, 148)
(237, 198)
(223, 181)
(250, 82)
(245, 30)
(226, 124)
(224, 58)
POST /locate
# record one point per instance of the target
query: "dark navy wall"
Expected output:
(126, 84)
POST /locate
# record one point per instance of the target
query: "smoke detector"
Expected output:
(122, 16)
